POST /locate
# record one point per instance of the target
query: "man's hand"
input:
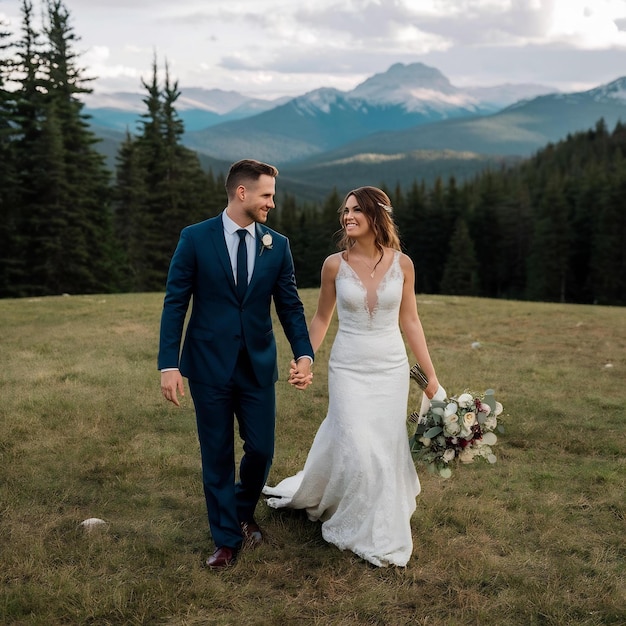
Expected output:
(300, 374)
(171, 385)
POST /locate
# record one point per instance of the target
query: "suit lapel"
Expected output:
(216, 236)
(259, 259)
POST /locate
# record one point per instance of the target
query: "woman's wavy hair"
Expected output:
(376, 206)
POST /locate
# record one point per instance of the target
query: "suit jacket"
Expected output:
(201, 269)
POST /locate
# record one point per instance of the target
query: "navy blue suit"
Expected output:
(229, 358)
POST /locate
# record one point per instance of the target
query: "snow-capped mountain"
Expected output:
(408, 108)
(417, 88)
(403, 97)
(611, 92)
(413, 89)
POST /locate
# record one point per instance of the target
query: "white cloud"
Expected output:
(588, 25)
(277, 47)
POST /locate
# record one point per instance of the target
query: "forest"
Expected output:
(552, 228)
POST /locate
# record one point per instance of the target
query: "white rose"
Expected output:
(451, 429)
(266, 240)
(451, 419)
(466, 400)
(499, 408)
(425, 441)
(469, 419)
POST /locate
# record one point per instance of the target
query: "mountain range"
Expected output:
(408, 123)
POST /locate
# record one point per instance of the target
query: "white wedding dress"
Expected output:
(359, 478)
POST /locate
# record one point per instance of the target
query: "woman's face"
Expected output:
(355, 222)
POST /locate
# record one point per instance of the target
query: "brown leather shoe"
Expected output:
(252, 534)
(222, 557)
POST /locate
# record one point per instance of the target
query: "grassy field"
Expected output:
(537, 539)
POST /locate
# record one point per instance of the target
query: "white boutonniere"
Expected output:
(266, 242)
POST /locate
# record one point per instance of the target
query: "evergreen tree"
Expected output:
(174, 190)
(130, 201)
(436, 231)
(608, 263)
(584, 193)
(410, 218)
(549, 251)
(64, 223)
(316, 238)
(484, 230)
(29, 112)
(511, 248)
(460, 276)
(89, 255)
(217, 197)
(9, 214)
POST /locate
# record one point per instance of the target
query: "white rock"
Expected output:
(92, 523)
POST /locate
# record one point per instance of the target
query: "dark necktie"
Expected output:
(242, 265)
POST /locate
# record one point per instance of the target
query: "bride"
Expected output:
(359, 479)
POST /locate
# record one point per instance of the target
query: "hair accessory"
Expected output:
(385, 206)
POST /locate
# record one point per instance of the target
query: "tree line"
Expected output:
(552, 228)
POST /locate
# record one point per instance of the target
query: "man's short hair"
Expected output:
(246, 170)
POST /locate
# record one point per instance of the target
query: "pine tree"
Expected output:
(460, 273)
(436, 231)
(511, 247)
(608, 263)
(89, 253)
(9, 214)
(410, 219)
(170, 188)
(484, 229)
(316, 239)
(549, 251)
(65, 222)
(130, 200)
(33, 230)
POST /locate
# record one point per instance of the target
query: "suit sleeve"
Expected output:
(178, 290)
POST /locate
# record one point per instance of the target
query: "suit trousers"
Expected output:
(228, 502)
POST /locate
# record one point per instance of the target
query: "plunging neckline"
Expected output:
(371, 310)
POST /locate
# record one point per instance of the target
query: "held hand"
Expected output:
(300, 374)
(431, 389)
(172, 385)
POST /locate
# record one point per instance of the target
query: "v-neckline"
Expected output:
(371, 310)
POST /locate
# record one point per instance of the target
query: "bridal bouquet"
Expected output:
(459, 428)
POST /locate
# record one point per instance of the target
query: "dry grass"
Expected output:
(537, 539)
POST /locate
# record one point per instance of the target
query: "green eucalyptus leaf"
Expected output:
(433, 432)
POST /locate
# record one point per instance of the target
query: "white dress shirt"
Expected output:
(232, 243)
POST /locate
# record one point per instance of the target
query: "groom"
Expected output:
(233, 266)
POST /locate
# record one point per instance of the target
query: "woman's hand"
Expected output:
(300, 374)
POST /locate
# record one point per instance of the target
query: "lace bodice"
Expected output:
(359, 310)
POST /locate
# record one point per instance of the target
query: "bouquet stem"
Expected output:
(418, 375)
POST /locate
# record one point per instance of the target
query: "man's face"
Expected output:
(259, 198)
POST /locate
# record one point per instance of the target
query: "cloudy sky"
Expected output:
(271, 48)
